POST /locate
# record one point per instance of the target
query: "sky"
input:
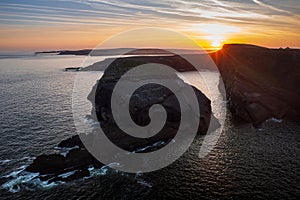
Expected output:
(36, 25)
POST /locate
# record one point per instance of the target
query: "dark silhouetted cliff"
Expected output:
(261, 83)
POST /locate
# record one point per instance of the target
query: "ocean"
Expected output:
(36, 114)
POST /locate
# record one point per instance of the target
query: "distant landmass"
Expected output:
(85, 52)
(122, 51)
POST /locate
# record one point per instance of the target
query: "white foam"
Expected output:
(15, 173)
(26, 158)
(273, 119)
(67, 174)
(20, 159)
(114, 164)
(66, 150)
(90, 121)
(19, 177)
(4, 161)
(99, 171)
(144, 183)
(138, 178)
(157, 144)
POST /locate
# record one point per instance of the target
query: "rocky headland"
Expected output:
(260, 83)
(78, 159)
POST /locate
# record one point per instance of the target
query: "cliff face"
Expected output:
(261, 83)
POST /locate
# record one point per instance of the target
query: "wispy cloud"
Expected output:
(273, 15)
(175, 10)
(261, 3)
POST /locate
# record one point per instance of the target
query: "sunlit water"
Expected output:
(36, 114)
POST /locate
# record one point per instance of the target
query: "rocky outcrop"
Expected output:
(78, 159)
(260, 83)
(71, 142)
(142, 100)
(55, 164)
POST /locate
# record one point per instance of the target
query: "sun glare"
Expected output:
(216, 41)
(216, 34)
(216, 44)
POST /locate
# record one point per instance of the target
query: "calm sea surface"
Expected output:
(36, 114)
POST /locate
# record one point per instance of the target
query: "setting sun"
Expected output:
(215, 41)
(216, 44)
(215, 34)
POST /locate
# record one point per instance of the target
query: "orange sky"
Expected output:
(211, 23)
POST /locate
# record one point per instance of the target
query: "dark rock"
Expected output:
(73, 69)
(140, 102)
(71, 142)
(48, 164)
(77, 158)
(55, 164)
(260, 83)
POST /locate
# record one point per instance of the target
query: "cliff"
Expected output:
(260, 83)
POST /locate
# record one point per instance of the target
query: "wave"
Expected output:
(26, 158)
(23, 180)
(4, 161)
(157, 144)
(273, 119)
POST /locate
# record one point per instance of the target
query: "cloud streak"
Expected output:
(176, 10)
(254, 17)
(270, 7)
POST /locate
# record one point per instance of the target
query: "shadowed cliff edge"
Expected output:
(260, 83)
